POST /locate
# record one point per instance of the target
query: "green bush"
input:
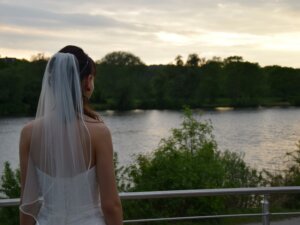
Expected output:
(290, 176)
(188, 159)
(10, 188)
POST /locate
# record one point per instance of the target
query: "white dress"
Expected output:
(88, 213)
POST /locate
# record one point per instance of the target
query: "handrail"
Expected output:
(209, 192)
(9, 202)
(265, 191)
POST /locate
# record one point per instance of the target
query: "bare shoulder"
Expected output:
(25, 137)
(99, 130)
(27, 130)
(101, 139)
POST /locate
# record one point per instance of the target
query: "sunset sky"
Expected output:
(263, 31)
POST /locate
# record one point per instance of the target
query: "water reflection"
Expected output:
(262, 135)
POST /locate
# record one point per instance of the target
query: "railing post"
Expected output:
(266, 210)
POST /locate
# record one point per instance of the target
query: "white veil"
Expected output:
(60, 148)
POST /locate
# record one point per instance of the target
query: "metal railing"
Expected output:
(264, 191)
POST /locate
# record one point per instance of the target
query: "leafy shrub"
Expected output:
(287, 177)
(10, 188)
(188, 159)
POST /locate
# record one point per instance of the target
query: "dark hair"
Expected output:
(86, 67)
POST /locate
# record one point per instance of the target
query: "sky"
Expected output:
(263, 31)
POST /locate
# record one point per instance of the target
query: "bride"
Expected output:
(66, 153)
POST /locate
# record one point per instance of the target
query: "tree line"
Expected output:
(124, 82)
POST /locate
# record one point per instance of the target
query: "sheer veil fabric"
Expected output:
(60, 146)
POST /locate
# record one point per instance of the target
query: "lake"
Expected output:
(263, 135)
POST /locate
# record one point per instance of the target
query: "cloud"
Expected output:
(155, 30)
(30, 17)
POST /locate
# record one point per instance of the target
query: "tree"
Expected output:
(121, 58)
(179, 61)
(215, 59)
(194, 60)
(284, 82)
(39, 57)
(234, 58)
(243, 83)
(208, 83)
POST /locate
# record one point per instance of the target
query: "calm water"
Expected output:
(263, 135)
